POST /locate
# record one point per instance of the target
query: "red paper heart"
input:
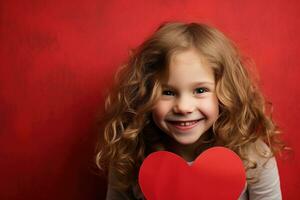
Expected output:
(218, 173)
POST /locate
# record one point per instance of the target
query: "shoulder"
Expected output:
(112, 192)
(258, 149)
(258, 154)
(264, 182)
(260, 158)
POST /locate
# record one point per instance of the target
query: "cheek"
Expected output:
(211, 107)
(215, 106)
(161, 109)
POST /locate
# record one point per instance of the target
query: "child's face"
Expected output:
(188, 105)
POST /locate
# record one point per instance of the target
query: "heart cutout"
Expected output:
(217, 173)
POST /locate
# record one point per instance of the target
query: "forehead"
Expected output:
(188, 66)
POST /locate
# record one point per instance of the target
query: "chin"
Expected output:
(188, 141)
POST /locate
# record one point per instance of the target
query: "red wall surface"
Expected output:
(57, 62)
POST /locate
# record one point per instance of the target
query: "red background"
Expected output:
(58, 59)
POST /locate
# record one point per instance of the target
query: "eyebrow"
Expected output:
(203, 83)
(193, 84)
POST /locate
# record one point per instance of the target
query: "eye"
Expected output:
(200, 90)
(168, 93)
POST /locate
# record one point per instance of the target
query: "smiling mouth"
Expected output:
(185, 124)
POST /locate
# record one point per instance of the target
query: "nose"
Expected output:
(184, 105)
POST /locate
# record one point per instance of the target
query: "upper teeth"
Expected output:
(187, 123)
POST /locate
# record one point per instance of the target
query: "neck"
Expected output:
(187, 152)
(191, 151)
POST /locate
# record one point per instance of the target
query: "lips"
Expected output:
(184, 125)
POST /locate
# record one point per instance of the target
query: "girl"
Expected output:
(184, 90)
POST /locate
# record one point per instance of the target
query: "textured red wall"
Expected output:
(58, 59)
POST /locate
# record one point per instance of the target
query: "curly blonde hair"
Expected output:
(129, 132)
